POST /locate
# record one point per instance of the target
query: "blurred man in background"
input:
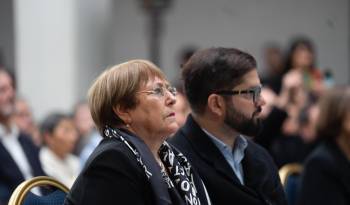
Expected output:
(18, 155)
(23, 118)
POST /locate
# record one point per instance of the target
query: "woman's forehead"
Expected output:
(156, 81)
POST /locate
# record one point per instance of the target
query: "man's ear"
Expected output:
(216, 104)
(123, 113)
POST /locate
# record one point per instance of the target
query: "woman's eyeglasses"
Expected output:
(161, 90)
(252, 93)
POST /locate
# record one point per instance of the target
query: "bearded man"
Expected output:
(19, 156)
(223, 88)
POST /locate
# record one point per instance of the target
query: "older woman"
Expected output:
(132, 105)
(59, 137)
(326, 179)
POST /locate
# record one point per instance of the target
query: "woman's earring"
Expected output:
(127, 125)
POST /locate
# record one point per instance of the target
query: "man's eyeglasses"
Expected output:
(161, 90)
(253, 93)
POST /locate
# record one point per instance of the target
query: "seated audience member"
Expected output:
(301, 58)
(19, 157)
(224, 91)
(59, 137)
(89, 137)
(182, 109)
(326, 177)
(84, 124)
(274, 67)
(132, 105)
(24, 120)
(94, 138)
(288, 119)
(273, 116)
(294, 148)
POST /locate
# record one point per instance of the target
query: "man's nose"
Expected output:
(260, 101)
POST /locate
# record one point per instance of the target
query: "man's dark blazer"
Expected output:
(10, 175)
(326, 177)
(262, 183)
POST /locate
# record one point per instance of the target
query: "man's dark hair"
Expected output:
(213, 69)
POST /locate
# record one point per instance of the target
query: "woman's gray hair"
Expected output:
(118, 86)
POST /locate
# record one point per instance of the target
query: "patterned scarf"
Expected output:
(180, 172)
(178, 175)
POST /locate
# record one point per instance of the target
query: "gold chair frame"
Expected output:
(288, 169)
(21, 191)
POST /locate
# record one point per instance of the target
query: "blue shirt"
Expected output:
(233, 156)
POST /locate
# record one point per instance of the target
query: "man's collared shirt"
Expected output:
(12, 145)
(233, 156)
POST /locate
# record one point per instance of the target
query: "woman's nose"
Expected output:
(170, 98)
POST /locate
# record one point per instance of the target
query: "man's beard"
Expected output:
(246, 126)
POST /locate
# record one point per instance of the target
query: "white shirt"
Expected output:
(14, 148)
(12, 145)
(64, 170)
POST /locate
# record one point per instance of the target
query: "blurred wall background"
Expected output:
(7, 41)
(58, 47)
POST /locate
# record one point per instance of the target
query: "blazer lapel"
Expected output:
(30, 154)
(9, 165)
(156, 180)
(203, 145)
(253, 168)
(207, 150)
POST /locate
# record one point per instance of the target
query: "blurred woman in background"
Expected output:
(326, 177)
(59, 137)
(302, 60)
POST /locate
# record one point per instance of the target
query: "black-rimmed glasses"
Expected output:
(254, 93)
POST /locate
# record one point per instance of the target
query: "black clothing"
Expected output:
(10, 174)
(122, 170)
(291, 149)
(262, 183)
(326, 177)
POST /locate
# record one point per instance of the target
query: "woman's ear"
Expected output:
(123, 113)
(216, 104)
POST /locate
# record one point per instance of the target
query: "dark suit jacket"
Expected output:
(10, 175)
(326, 177)
(112, 175)
(262, 183)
